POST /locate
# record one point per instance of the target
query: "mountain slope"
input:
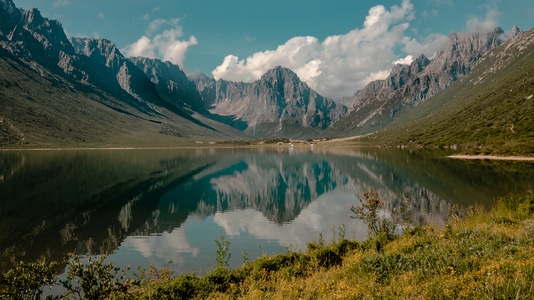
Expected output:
(37, 111)
(171, 83)
(57, 93)
(490, 110)
(382, 101)
(276, 105)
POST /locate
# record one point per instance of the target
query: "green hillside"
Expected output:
(489, 111)
(40, 109)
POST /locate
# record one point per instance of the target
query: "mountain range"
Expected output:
(60, 91)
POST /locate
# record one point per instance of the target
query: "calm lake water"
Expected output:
(145, 207)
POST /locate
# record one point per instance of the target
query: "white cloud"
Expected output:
(340, 64)
(101, 16)
(427, 46)
(491, 20)
(404, 61)
(166, 45)
(60, 3)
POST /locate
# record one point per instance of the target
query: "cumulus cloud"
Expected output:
(340, 64)
(404, 61)
(163, 39)
(491, 20)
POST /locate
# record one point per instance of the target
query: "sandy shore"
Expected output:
(492, 157)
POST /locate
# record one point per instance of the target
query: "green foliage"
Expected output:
(482, 113)
(520, 205)
(368, 212)
(27, 280)
(483, 255)
(223, 252)
(96, 279)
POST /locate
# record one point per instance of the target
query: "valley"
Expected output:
(473, 96)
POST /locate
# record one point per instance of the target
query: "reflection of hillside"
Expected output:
(83, 202)
(10, 164)
(279, 186)
(89, 202)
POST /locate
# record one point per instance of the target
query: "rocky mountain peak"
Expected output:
(9, 16)
(101, 50)
(280, 74)
(30, 35)
(33, 15)
(171, 83)
(278, 104)
(408, 85)
(285, 82)
(49, 33)
(514, 32)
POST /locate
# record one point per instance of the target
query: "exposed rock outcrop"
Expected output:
(381, 101)
(278, 104)
(171, 83)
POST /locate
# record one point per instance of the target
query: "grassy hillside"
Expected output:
(40, 109)
(490, 110)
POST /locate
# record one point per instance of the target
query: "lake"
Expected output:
(167, 207)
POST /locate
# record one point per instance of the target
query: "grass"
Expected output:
(488, 111)
(479, 254)
(50, 111)
(483, 255)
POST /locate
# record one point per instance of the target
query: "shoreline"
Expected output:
(492, 157)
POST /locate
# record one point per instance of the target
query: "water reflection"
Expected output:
(155, 206)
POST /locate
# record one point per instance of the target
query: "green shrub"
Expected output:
(96, 279)
(368, 212)
(522, 205)
(327, 257)
(223, 253)
(27, 280)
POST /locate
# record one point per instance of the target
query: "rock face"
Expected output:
(408, 85)
(29, 35)
(279, 104)
(107, 67)
(276, 105)
(171, 83)
(82, 90)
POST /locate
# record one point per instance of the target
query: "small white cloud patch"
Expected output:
(162, 40)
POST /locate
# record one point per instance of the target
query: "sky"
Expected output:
(336, 46)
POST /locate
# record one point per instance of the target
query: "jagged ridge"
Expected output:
(278, 104)
(380, 102)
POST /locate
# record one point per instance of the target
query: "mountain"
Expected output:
(57, 91)
(488, 110)
(171, 83)
(105, 67)
(279, 104)
(28, 35)
(382, 101)
(60, 92)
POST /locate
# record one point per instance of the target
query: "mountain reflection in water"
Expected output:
(156, 206)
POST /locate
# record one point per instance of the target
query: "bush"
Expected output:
(521, 205)
(27, 280)
(96, 279)
(377, 226)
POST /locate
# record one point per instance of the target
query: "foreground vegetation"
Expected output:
(480, 254)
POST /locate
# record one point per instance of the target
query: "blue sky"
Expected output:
(336, 46)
